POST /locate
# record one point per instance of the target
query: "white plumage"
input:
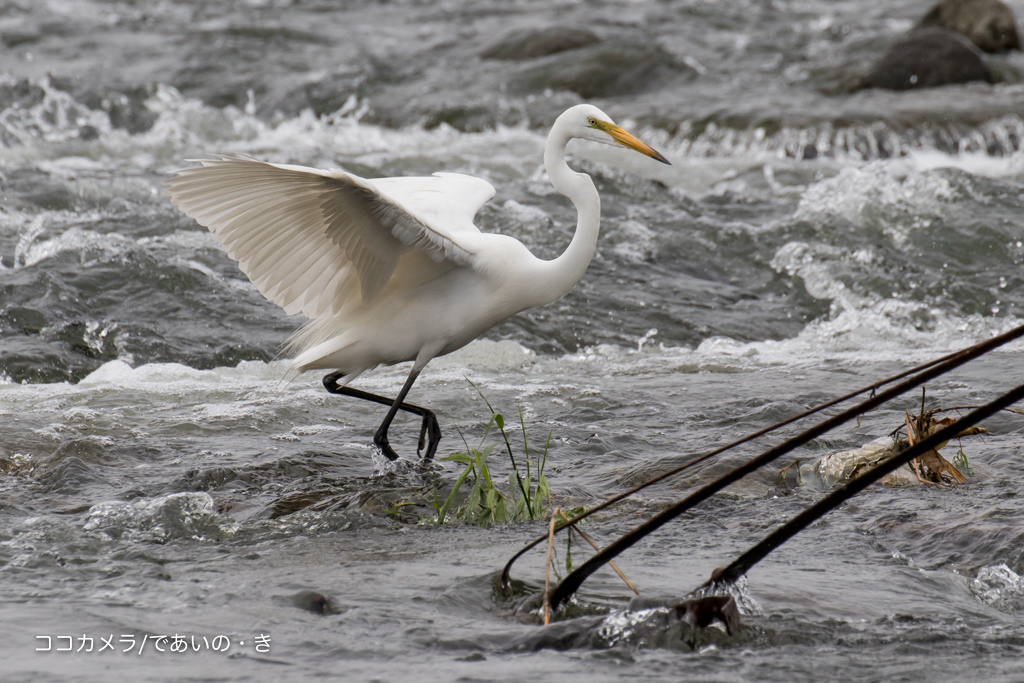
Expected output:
(391, 269)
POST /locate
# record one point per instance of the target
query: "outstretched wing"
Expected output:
(447, 202)
(310, 239)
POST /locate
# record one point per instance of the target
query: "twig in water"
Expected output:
(597, 548)
(844, 492)
(547, 565)
(571, 583)
(965, 354)
(914, 464)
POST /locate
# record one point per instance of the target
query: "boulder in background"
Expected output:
(927, 58)
(988, 24)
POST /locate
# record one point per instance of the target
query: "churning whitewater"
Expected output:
(160, 475)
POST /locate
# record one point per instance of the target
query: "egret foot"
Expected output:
(430, 431)
(430, 434)
(380, 440)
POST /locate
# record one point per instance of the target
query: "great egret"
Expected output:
(390, 269)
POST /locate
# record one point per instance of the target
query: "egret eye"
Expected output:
(592, 121)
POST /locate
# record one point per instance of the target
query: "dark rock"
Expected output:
(12, 38)
(62, 83)
(28, 320)
(128, 111)
(988, 23)
(532, 43)
(315, 602)
(927, 58)
(608, 69)
(467, 118)
(126, 106)
(21, 94)
(217, 87)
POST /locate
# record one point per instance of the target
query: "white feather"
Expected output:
(311, 240)
(391, 269)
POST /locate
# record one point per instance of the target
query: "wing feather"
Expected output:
(309, 240)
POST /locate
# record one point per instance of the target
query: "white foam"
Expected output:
(47, 234)
(894, 195)
(187, 128)
(1000, 587)
(485, 353)
(850, 143)
(633, 241)
(622, 626)
(160, 376)
(177, 515)
(56, 118)
(530, 217)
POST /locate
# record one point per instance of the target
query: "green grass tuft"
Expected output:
(487, 503)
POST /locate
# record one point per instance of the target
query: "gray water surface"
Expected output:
(157, 476)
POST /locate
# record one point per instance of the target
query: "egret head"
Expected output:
(590, 123)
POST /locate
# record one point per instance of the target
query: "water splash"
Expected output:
(1000, 137)
(738, 591)
(1000, 587)
(159, 520)
(36, 112)
(626, 626)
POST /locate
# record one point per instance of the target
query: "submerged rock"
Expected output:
(645, 623)
(75, 463)
(126, 107)
(315, 602)
(608, 69)
(988, 24)
(928, 58)
(539, 42)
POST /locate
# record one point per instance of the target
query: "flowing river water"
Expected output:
(157, 476)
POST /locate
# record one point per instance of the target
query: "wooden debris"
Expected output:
(930, 469)
(841, 466)
(586, 537)
(703, 611)
(558, 512)
(547, 567)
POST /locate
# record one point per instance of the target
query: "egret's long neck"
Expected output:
(560, 274)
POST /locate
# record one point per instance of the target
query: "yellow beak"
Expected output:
(628, 140)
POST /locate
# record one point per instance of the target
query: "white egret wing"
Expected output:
(447, 202)
(311, 239)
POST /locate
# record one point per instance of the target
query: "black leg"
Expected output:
(430, 431)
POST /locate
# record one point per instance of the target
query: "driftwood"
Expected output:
(504, 582)
(931, 468)
(744, 562)
(929, 371)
